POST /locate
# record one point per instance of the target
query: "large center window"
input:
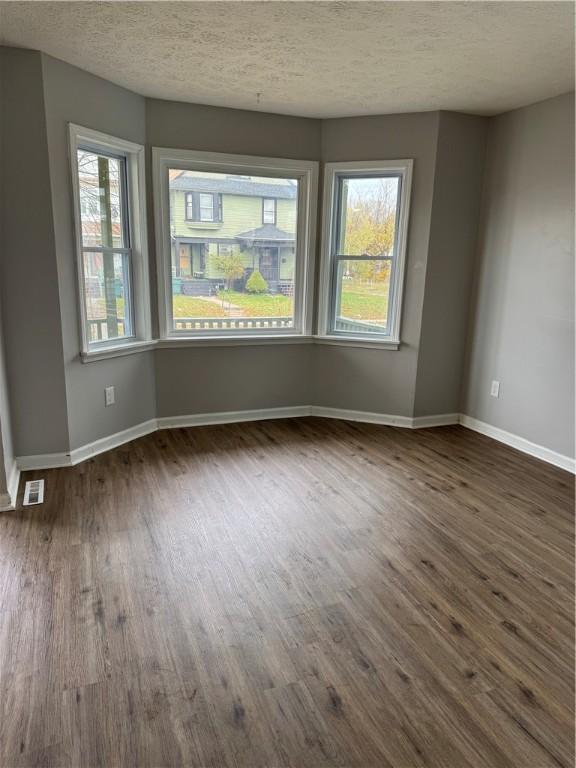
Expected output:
(235, 233)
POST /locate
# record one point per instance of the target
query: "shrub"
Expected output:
(256, 283)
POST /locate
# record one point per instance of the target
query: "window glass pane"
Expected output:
(269, 212)
(362, 296)
(367, 215)
(238, 273)
(206, 207)
(107, 295)
(101, 186)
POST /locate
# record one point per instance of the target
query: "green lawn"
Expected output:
(364, 302)
(192, 306)
(253, 305)
(359, 302)
(260, 305)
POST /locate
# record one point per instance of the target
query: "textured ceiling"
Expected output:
(319, 59)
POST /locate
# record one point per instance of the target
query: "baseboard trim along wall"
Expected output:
(8, 499)
(385, 419)
(230, 417)
(55, 460)
(520, 443)
(76, 456)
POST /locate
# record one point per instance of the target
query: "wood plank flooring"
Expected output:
(299, 593)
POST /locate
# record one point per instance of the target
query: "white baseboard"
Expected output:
(55, 460)
(8, 499)
(440, 420)
(230, 417)
(520, 443)
(367, 417)
(44, 461)
(112, 441)
(386, 419)
(58, 460)
(13, 482)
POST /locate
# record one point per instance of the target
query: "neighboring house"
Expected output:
(214, 217)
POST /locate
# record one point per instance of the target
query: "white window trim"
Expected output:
(305, 171)
(332, 170)
(135, 172)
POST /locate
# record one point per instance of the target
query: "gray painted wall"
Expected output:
(204, 380)
(72, 95)
(215, 379)
(522, 328)
(450, 268)
(28, 274)
(237, 131)
(6, 446)
(383, 381)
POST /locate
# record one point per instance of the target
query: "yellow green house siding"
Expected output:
(240, 214)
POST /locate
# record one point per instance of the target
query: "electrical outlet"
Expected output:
(495, 389)
(109, 396)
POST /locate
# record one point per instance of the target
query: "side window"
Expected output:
(364, 250)
(109, 215)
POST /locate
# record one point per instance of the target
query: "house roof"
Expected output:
(266, 232)
(230, 186)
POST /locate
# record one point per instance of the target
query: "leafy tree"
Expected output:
(369, 271)
(256, 283)
(369, 229)
(231, 267)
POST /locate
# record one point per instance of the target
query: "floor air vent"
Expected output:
(33, 492)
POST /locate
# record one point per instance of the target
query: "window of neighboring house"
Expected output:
(260, 278)
(225, 250)
(110, 232)
(203, 206)
(269, 211)
(366, 218)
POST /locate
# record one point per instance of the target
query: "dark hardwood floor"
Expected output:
(299, 593)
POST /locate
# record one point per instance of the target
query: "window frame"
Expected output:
(134, 205)
(307, 174)
(195, 204)
(331, 213)
(274, 212)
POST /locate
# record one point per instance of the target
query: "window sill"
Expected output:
(232, 341)
(351, 341)
(121, 350)
(118, 350)
(202, 225)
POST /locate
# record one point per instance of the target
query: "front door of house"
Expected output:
(269, 264)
